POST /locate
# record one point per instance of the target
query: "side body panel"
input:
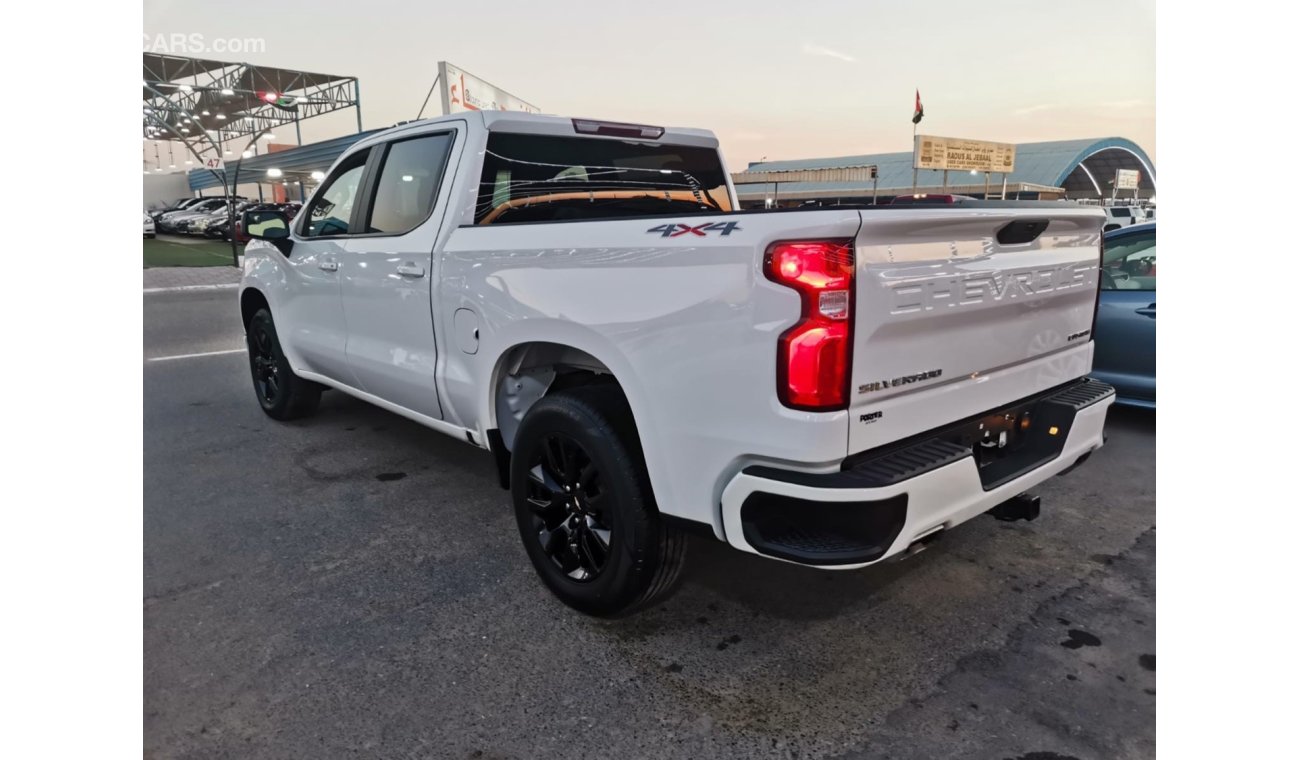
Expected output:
(1126, 344)
(1126, 322)
(688, 325)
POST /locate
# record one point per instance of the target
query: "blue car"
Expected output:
(1126, 319)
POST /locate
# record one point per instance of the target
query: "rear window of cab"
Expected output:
(547, 178)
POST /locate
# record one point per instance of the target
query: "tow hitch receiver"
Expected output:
(1022, 507)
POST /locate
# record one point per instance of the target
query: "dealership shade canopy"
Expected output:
(293, 164)
(205, 102)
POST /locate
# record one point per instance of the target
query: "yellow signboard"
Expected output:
(956, 154)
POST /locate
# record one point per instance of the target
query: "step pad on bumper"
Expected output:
(878, 471)
(1082, 394)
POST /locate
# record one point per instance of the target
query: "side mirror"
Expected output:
(271, 226)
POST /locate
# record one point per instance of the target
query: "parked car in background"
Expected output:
(199, 224)
(222, 214)
(179, 205)
(178, 221)
(148, 226)
(1125, 335)
(219, 227)
(1118, 217)
(167, 220)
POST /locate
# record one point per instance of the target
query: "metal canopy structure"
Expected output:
(208, 103)
(294, 164)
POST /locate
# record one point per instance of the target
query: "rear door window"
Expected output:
(408, 183)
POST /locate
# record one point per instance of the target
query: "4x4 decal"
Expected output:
(679, 229)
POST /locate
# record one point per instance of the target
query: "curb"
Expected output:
(180, 288)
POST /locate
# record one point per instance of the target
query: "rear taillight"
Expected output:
(812, 370)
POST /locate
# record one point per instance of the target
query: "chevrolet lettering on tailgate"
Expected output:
(952, 292)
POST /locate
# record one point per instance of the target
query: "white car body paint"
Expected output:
(689, 327)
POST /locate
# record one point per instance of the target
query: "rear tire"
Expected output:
(282, 394)
(584, 506)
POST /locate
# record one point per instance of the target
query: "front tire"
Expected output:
(584, 506)
(282, 394)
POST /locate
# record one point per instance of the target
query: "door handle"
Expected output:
(1149, 311)
(410, 269)
(329, 266)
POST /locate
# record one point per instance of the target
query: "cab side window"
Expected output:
(330, 212)
(408, 184)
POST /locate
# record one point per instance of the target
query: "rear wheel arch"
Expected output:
(528, 372)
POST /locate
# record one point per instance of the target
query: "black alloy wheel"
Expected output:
(584, 506)
(282, 394)
(266, 370)
(566, 493)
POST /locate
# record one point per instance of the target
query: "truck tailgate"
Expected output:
(950, 322)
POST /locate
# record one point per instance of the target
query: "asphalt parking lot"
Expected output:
(353, 585)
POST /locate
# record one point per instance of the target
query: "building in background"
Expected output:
(1074, 169)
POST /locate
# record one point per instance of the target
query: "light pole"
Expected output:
(234, 187)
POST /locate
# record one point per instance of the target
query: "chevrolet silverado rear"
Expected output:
(958, 340)
(828, 386)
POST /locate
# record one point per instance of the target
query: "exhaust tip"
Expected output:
(921, 543)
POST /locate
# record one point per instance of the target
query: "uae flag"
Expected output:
(920, 109)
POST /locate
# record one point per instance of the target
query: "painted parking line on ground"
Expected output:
(179, 288)
(196, 356)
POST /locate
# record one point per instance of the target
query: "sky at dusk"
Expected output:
(776, 80)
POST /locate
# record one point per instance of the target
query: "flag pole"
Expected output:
(914, 170)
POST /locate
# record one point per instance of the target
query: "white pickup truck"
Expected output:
(831, 387)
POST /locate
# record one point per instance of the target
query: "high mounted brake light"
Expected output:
(617, 129)
(813, 368)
